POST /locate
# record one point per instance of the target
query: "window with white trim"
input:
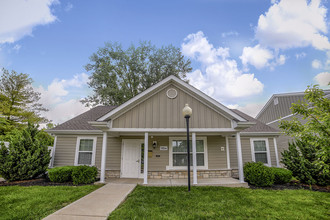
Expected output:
(178, 153)
(85, 152)
(260, 151)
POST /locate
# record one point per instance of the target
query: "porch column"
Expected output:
(276, 153)
(239, 157)
(227, 151)
(194, 158)
(104, 154)
(145, 167)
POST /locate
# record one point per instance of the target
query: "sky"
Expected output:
(242, 51)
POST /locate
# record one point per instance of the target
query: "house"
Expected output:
(278, 108)
(146, 137)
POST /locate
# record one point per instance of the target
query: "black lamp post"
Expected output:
(187, 112)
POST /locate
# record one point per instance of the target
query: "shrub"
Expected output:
(84, 175)
(281, 175)
(301, 158)
(258, 174)
(26, 157)
(60, 174)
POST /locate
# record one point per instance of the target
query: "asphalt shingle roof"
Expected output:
(80, 122)
(258, 127)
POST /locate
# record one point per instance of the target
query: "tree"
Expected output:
(27, 156)
(18, 101)
(118, 74)
(315, 133)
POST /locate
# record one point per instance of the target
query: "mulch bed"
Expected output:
(294, 185)
(37, 182)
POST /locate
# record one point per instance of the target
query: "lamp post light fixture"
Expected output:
(187, 112)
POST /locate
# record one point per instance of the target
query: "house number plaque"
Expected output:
(163, 148)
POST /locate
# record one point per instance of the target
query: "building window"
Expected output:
(276, 101)
(85, 151)
(260, 151)
(178, 153)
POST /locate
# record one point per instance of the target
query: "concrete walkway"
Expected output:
(96, 205)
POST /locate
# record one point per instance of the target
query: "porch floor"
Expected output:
(226, 181)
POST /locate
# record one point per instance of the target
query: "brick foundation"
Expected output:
(201, 174)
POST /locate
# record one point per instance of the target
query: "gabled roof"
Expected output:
(291, 94)
(80, 122)
(258, 127)
(171, 79)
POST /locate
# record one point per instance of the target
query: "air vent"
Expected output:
(172, 93)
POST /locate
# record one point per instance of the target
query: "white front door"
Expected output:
(131, 159)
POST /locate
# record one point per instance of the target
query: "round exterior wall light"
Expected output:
(172, 93)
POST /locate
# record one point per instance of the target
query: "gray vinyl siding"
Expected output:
(217, 159)
(233, 152)
(65, 150)
(159, 111)
(272, 151)
(158, 163)
(282, 109)
(246, 151)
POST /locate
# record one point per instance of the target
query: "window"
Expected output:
(260, 151)
(276, 101)
(178, 153)
(85, 151)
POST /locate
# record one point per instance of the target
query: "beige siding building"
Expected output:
(146, 137)
(278, 108)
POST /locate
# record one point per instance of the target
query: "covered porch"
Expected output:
(146, 176)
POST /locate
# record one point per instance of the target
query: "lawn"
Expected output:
(222, 203)
(36, 202)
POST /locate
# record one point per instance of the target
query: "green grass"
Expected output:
(222, 203)
(36, 202)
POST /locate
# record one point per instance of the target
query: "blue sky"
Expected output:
(242, 51)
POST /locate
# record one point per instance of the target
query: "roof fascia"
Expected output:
(74, 131)
(159, 85)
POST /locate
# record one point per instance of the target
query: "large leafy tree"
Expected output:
(18, 101)
(314, 135)
(118, 74)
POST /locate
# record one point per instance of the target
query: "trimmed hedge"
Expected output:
(60, 174)
(281, 175)
(258, 174)
(75, 174)
(84, 175)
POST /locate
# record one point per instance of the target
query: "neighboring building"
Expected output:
(278, 108)
(146, 137)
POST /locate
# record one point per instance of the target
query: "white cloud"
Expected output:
(256, 56)
(197, 47)
(300, 55)
(251, 109)
(228, 34)
(18, 18)
(316, 64)
(294, 23)
(65, 111)
(323, 79)
(55, 98)
(219, 75)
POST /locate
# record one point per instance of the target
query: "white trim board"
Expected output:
(267, 149)
(170, 154)
(77, 149)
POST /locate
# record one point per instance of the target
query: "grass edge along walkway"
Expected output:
(222, 202)
(37, 202)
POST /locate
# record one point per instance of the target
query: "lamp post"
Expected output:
(187, 112)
